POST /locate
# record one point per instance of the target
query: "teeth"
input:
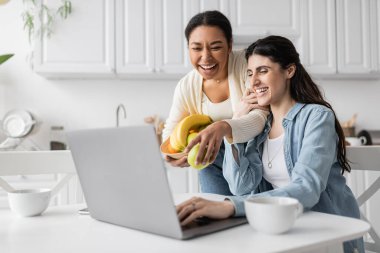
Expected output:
(261, 90)
(208, 66)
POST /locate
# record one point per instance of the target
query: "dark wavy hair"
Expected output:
(302, 88)
(210, 18)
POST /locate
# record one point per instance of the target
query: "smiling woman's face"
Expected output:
(209, 50)
(268, 80)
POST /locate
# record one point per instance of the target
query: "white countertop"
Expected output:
(63, 230)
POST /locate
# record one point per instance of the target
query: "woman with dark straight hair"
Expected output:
(301, 152)
(302, 87)
(215, 87)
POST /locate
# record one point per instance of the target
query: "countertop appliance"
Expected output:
(370, 137)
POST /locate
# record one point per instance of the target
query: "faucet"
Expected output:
(120, 106)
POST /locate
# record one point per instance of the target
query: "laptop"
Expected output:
(124, 182)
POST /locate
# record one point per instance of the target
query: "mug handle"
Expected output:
(299, 209)
(363, 140)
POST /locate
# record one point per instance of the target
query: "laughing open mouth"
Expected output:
(208, 67)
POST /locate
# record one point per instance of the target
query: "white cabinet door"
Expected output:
(357, 36)
(135, 37)
(206, 5)
(171, 46)
(145, 38)
(319, 36)
(82, 45)
(150, 41)
(253, 19)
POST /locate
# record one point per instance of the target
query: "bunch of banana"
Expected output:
(184, 132)
(190, 124)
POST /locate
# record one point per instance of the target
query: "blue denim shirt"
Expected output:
(310, 150)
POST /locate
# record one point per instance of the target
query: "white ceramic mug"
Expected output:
(272, 215)
(29, 202)
(354, 141)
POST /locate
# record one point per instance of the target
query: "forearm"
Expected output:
(224, 127)
(238, 203)
(246, 127)
(238, 170)
(299, 191)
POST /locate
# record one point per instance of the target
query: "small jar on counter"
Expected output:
(57, 138)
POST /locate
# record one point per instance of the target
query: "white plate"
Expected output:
(17, 123)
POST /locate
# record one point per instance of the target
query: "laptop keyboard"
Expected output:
(198, 222)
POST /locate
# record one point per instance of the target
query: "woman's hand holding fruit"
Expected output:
(182, 162)
(183, 133)
(209, 140)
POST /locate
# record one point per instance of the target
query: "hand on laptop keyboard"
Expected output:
(196, 207)
(198, 222)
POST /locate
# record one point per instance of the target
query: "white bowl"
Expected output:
(165, 150)
(29, 202)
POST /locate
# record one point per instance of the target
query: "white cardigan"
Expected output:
(187, 100)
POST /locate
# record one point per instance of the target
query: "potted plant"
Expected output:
(4, 58)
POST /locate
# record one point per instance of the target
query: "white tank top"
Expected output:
(275, 171)
(217, 111)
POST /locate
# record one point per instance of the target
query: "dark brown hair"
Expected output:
(302, 88)
(210, 18)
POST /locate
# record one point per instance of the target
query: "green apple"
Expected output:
(191, 158)
(190, 137)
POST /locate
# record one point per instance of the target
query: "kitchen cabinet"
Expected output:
(145, 38)
(319, 52)
(254, 19)
(335, 38)
(150, 40)
(135, 37)
(357, 43)
(127, 39)
(170, 52)
(81, 45)
(341, 38)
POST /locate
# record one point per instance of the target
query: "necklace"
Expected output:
(276, 153)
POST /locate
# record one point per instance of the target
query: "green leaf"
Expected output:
(37, 10)
(5, 57)
(65, 9)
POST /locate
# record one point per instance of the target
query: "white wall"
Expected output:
(92, 103)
